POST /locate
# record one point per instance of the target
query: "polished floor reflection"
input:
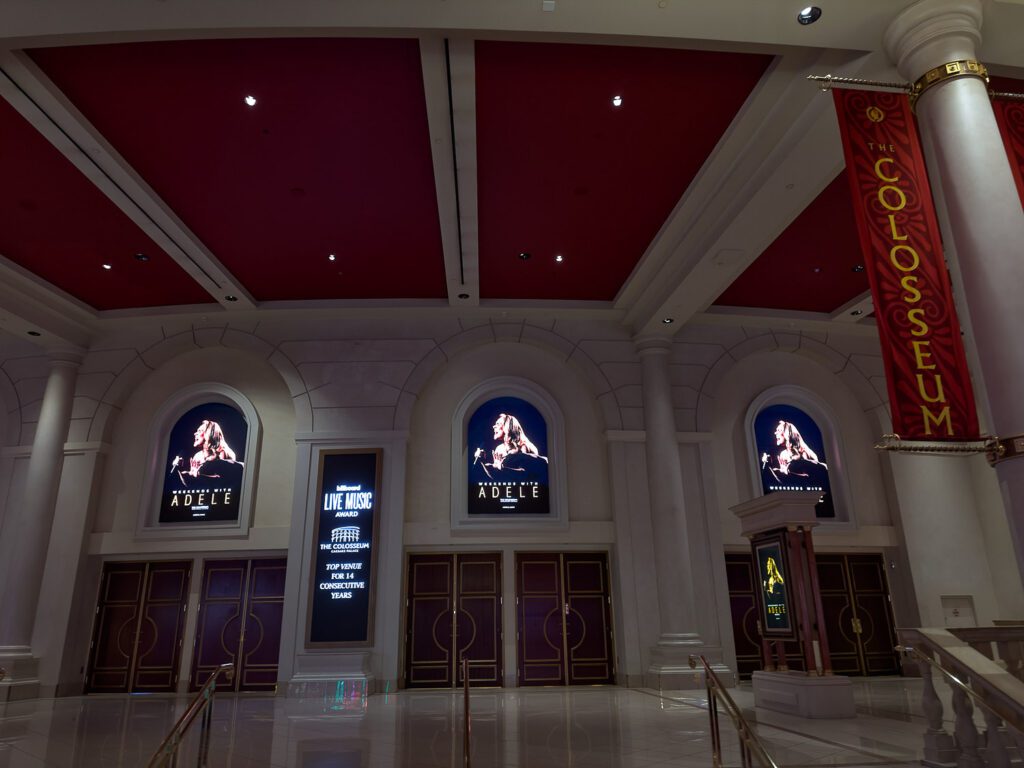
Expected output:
(537, 728)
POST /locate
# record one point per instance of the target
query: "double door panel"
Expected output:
(860, 627)
(563, 610)
(140, 620)
(454, 612)
(241, 604)
(857, 615)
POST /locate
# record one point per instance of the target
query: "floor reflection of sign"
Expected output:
(776, 613)
(343, 564)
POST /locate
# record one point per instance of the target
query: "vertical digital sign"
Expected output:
(773, 573)
(344, 536)
(205, 462)
(791, 454)
(507, 454)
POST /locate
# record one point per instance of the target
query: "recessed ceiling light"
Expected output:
(229, 297)
(616, 101)
(33, 333)
(858, 268)
(857, 312)
(668, 320)
(817, 270)
(107, 266)
(559, 258)
(141, 257)
(809, 15)
(250, 100)
(331, 257)
(524, 255)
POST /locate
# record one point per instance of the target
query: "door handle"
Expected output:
(857, 627)
(566, 609)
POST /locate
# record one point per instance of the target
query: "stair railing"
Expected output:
(975, 680)
(201, 705)
(751, 747)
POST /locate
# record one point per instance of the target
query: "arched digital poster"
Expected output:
(791, 454)
(507, 451)
(204, 467)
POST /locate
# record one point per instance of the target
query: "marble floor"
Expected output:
(537, 728)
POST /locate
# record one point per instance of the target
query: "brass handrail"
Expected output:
(202, 703)
(953, 680)
(750, 745)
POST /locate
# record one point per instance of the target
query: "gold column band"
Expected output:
(948, 71)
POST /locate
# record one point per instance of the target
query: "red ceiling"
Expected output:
(56, 223)
(334, 158)
(823, 238)
(563, 171)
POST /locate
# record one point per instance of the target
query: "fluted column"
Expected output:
(668, 511)
(985, 220)
(26, 532)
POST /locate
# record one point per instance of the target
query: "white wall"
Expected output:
(121, 499)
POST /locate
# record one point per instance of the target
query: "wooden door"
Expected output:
(858, 617)
(140, 620)
(453, 612)
(563, 612)
(861, 630)
(240, 608)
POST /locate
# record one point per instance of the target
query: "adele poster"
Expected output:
(205, 462)
(507, 451)
(791, 454)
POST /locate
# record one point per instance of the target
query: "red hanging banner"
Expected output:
(930, 391)
(1010, 116)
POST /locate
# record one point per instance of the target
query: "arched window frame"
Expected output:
(808, 402)
(524, 389)
(159, 433)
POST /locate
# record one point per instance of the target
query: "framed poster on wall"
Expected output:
(507, 454)
(791, 454)
(340, 609)
(777, 621)
(206, 454)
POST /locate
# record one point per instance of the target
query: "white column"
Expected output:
(27, 526)
(986, 222)
(678, 637)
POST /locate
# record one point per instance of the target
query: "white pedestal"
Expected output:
(21, 675)
(795, 693)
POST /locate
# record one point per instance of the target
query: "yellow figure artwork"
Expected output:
(774, 576)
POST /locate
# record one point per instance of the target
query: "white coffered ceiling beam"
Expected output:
(782, 150)
(39, 101)
(449, 84)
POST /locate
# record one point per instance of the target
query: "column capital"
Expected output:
(930, 33)
(652, 345)
(69, 358)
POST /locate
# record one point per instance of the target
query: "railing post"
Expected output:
(966, 733)
(939, 746)
(996, 755)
